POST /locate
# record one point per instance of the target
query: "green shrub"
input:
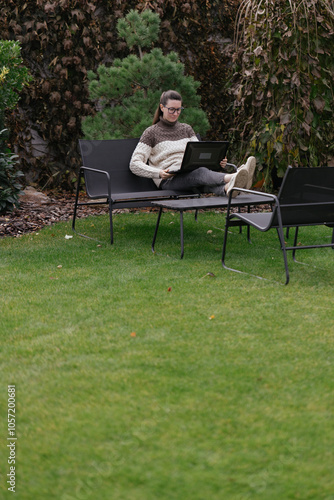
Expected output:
(10, 187)
(13, 76)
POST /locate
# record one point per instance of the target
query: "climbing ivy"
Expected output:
(282, 84)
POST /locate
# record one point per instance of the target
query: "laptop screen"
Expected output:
(207, 154)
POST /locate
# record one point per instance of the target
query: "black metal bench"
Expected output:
(105, 171)
(306, 198)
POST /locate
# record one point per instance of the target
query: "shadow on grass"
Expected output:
(203, 240)
(263, 257)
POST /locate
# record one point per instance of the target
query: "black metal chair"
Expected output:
(106, 174)
(306, 198)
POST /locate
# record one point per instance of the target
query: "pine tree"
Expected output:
(128, 92)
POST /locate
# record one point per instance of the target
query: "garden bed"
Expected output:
(33, 215)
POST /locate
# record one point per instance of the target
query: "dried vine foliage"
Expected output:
(63, 39)
(283, 83)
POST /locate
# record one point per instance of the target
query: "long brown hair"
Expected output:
(165, 96)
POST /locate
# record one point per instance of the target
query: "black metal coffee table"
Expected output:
(184, 204)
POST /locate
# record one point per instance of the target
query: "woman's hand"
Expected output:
(164, 174)
(223, 163)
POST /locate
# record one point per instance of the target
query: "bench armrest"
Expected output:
(95, 170)
(250, 191)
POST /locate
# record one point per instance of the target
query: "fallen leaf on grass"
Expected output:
(212, 275)
(169, 289)
(132, 334)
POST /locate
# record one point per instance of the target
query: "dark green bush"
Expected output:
(10, 186)
(13, 77)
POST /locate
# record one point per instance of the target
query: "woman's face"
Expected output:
(172, 105)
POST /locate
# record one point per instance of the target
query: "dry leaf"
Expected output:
(133, 334)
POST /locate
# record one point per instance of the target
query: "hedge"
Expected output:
(63, 39)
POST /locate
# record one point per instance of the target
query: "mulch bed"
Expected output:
(32, 216)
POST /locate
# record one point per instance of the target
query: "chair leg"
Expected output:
(76, 202)
(281, 239)
(295, 244)
(225, 243)
(248, 227)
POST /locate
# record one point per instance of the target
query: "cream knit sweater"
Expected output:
(160, 147)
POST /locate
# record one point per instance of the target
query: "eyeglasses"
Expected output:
(172, 111)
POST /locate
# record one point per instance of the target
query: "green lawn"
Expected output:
(141, 376)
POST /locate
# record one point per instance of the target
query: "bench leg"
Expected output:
(181, 233)
(76, 201)
(111, 223)
(156, 229)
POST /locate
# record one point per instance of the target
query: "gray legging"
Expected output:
(200, 180)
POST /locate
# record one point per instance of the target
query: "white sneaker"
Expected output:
(249, 167)
(239, 179)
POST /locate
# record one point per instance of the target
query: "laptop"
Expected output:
(207, 154)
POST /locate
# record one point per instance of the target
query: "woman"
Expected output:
(161, 148)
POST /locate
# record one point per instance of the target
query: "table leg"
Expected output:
(181, 233)
(156, 229)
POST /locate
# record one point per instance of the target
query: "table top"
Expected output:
(210, 202)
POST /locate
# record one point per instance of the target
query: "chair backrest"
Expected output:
(112, 156)
(306, 196)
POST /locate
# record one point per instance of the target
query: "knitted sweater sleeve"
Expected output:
(139, 160)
